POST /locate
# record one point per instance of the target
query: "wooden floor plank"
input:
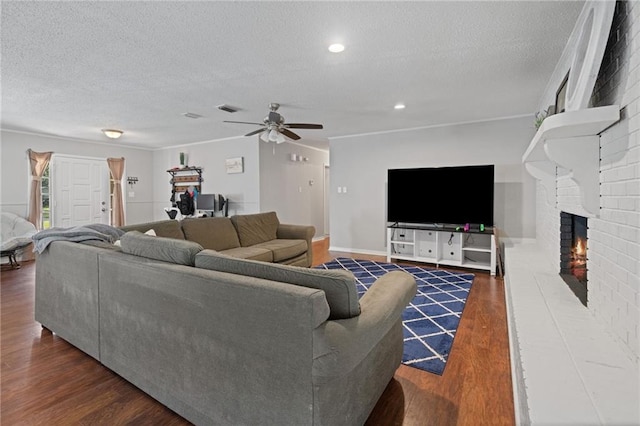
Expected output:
(45, 380)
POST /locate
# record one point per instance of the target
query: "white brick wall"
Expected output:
(614, 235)
(548, 226)
(569, 199)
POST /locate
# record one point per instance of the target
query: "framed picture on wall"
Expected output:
(234, 165)
(561, 94)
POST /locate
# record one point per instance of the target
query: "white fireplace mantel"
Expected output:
(569, 143)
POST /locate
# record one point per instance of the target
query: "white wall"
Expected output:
(285, 184)
(358, 218)
(270, 181)
(294, 189)
(15, 173)
(242, 189)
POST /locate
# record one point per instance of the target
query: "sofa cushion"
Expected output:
(284, 249)
(162, 228)
(103, 244)
(215, 233)
(256, 228)
(170, 250)
(251, 253)
(339, 286)
(297, 261)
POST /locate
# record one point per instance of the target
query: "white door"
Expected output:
(80, 191)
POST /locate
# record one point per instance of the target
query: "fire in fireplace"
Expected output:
(573, 253)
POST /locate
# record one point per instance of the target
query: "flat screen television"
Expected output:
(441, 195)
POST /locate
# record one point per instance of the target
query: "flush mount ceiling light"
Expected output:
(112, 133)
(336, 48)
(399, 106)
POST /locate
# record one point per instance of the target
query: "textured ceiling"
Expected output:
(72, 68)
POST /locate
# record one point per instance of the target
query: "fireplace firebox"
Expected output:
(573, 253)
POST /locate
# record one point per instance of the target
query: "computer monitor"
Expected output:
(212, 203)
(206, 202)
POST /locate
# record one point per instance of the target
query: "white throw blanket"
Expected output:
(96, 231)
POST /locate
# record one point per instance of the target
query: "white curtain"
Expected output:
(116, 166)
(39, 162)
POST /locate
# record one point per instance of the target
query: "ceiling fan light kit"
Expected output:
(274, 129)
(272, 136)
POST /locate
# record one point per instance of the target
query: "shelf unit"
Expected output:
(442, 246)
(183, 178)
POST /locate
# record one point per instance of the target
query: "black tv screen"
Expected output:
(441, 195)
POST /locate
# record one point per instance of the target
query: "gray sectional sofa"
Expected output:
(226, 340)
(258, 236)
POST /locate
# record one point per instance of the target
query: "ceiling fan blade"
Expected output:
(244, 122)
(255, 132)
(303, 126)
(289, 134)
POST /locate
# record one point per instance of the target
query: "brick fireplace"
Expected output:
(602, 270)
(573, 253)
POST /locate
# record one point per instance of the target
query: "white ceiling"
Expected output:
(72, 68)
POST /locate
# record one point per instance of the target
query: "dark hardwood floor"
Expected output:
(46, 381)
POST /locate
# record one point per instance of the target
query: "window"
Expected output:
(46, 196)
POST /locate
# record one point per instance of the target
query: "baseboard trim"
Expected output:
(363, 251)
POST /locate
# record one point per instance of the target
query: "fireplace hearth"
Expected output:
(573, 253)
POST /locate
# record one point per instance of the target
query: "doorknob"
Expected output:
(103, 203)
(103, 209)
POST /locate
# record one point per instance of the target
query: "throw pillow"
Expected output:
(215, 233)
(256, 228)
(171, 250)
(149, 232)
(162, 228)
(339, 286)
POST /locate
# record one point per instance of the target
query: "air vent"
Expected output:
(227, 108)
(191, 115)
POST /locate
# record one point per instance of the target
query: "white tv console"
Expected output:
(443, 246)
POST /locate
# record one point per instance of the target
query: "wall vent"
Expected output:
(227, 108)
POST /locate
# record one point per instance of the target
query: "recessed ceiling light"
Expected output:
(336, 48)
(112, 133)
(399, 106)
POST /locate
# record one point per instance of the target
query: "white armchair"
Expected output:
(16, 235)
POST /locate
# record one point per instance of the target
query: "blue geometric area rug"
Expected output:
(431, 319)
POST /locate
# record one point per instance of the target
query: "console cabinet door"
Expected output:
(450, 246)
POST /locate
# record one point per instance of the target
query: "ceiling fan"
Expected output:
(274, 127)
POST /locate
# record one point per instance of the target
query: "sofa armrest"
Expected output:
(341, 344)
(298, 232)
